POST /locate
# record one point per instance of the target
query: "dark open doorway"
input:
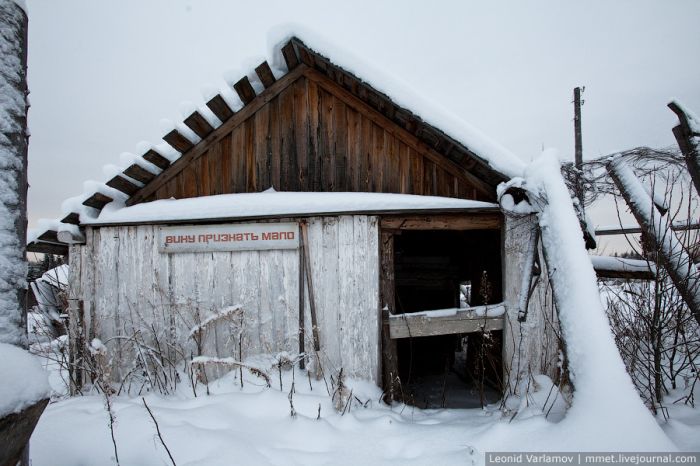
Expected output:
(448, 269)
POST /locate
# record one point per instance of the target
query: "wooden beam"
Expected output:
(72, 218)
(220, 108)
(179, 142)
(156, 159)
(466, 221)
(123, 185)
(49, 236)
(434, 323)
(265, 74)
(197, 123)
(224, 130)
(245, 90)
(97, 201)
(139, 173)
(70, 238)
(290, 56)
(48, 248)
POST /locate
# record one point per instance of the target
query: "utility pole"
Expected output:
(578, 156)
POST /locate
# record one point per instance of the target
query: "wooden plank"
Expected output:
(467, 221)
(123, 185)
(412, 326)
(288, 148)
(203, 176)
(219, 133)
(226, 174)
(97, 201)
(72, 218)
(197, 123)
(265, 74)
(314, 107)
(262, 163)
(290, 56)
(179, 142)
(139, 173)
(301, 136)
(251, 185)
(220, 108)
(244, 90)
(273, 144)
(156, 159)
(340, 148)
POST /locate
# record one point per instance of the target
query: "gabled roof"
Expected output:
(143, 177)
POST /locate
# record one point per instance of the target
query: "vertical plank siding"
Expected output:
(131, 292)
(306, 138)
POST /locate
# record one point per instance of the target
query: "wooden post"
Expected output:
(390, 370)
(578, 156)
(656, 229)
(302, 291)
(684, 134)
(310, 284)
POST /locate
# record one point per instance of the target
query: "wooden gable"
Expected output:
(318, 128)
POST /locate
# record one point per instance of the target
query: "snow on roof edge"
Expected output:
(274, 204)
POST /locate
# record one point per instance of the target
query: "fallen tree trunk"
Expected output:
(602, 387)
(657, 230)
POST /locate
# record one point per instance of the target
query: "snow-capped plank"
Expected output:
(619, 267)
(179, 142)
(123, 185)
(220, 108)
(139, 173)
(156, 159)
(447, 322)
(97, 201)
(197, 123)
(245, 90)
(72, 218)
(265, 74)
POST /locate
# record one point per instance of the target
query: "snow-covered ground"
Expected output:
(253, 425)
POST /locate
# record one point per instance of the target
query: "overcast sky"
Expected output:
(102, 74)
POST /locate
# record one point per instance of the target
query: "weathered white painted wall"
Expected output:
(530, 347)
(133, 293)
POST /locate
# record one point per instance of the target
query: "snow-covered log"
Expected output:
(603, 389)
(687, 135)
(657, 230)
(13, 171)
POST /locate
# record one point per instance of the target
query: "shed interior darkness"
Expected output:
(437, 270)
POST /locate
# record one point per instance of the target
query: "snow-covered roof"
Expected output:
(277, 204)
(460, 143)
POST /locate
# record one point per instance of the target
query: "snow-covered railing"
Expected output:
(447, 321)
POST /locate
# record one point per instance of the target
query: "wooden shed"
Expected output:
(380, 242)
